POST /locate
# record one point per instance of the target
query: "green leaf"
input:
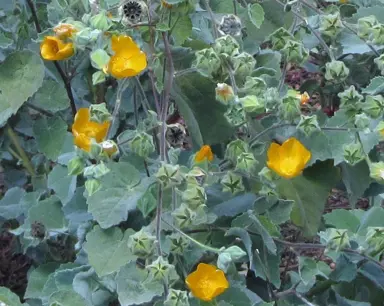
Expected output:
(256, 14)
(62, 184)
(342, 301)
(50, 134)
(8, 298)
(195, 98)
(235, 206)
(98, 77)
(310, 192)
(147, 202)
(342, 219)
(182, 29)
(21, 75)
(10, 205)
(99, 59)
(51, 97)
(278, 212)
(375, 87)
(245, 238)
(174, 1)
(66, 298)
(372, 272)
(37, 279)
(121, 174)
(5, 42)
(345, 270)
(237, 295)
(268, 59)
(372, 218)
(309, 268)
(133, 287)
(49, 213)
(108, 249)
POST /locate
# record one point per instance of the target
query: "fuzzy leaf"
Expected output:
(51, 97)
(63, 184)
(66, 297)
(7, 297)
(256, 14)
(37, 279)
(342, 219)
(10, 205)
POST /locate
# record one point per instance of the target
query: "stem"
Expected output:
(158, 218)
(64, 77)
(144, 103)
(120, 89)
(15, 141)
(214, 25)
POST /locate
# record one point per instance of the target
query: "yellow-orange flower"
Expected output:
(54, 49)
(204, 153)
(128, 60)
(289, 159)
(84, 130)
(304, 98)
(207, 282)
(64, 30)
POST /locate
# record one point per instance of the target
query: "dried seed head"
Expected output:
(38, 230)
(132, 11)
(176, 134)
(230, 25)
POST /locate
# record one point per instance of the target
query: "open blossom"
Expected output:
(207, 282)
(64, 30)
(85, 130)
(289, 159)
(204, 153)
(304, 98)
(128, 60)
(54, 49)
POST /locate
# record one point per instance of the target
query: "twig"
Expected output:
(120, 90)
(210, 12)
(158, 219)
(144, 100)
(66, 80)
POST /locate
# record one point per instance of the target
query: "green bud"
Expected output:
(96, 150)
(251, 104)
(85, 37)
(377, 34)
(230, 25)
(246, 162)
(235, 114)
(142, 244)
(362, 121)
(269, 192)
(149, 123)
(100, 21)
(178, 243)
(232, 183)
(308, 124)
(353, 153)
(224, 93)
(99, 60)
(92, 185)
(96, 171)
(110, 148)
(365, 25)
(267, 175)
(226, 46)
(224, 261)
(196, 176)
(380, 130)
(207, 62)
(376, 171)
(271, 98)
(235, 148)
(350, 98)
(160, 270)
(99, 113)
(336, 71)
(183, 216)
(142, 144)
(279, 38)
(169, 175)
(335, 239)
(331, 25)
(379, 61)
(194, 196)
(244, 63)
(375, 238)
(373, 106)
(254, 86)
(295, 52)
(235, 252)
(75, 166)
(290, 108)
(177, 298)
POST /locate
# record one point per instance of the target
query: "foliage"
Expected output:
(152, 151)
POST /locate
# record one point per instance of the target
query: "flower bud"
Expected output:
(196, 176)
(376, 171)
(295, 52)
(279, 38)
(244, 63)
(224, 93)
(183, 216)
(350, 98)
(375, 238)
(142, 144)
(194, 196)
(362, 121)
(100, 21)
(178, 243)
(373, 106)
(142, 244)
(230, 25)
(336, 71)
(232, 183)
(235, 148)
(227, 46)
(380, 130)
(96, 171)
(169, 175)
(75, 166)
(160, 270)
(269, 192)
(251, 104)
(207, 62)
(353, 153)
(331, 25)
(308, 124)
(335, 239)
(271, 98)
(235, 114)
(177, 298)
(379, 61)
(365, 25)
(246, 162)
(267, 175)
(110, 148)
(92, 185)
(254, 86)
(290, 108)
(377, 34)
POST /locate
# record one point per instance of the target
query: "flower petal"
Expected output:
(124, 43)
(81, 119)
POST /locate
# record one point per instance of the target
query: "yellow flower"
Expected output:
(128, 60)
(64, 30)
(84, 130)
(304, 98)
(166, 5)
(54, 49)
(204, 153)
(289, 159)
(207, 282)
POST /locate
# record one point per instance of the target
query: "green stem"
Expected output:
(122, 85)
